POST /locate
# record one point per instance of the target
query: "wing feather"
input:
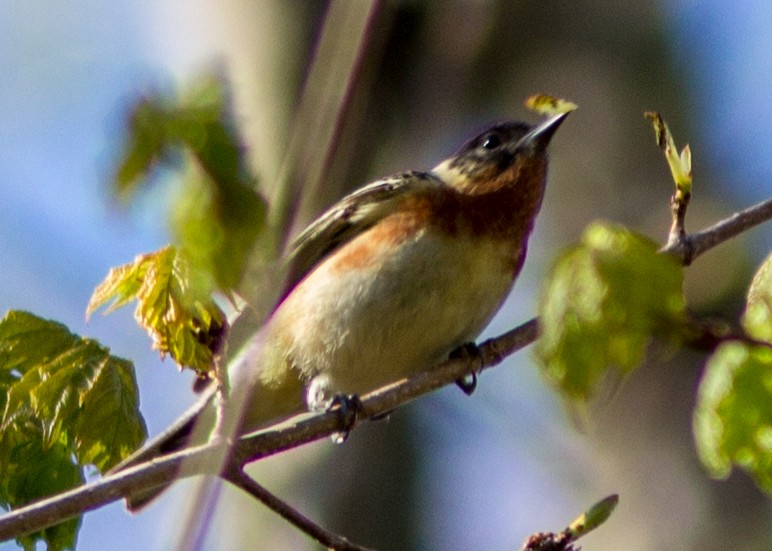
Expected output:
(348, 218)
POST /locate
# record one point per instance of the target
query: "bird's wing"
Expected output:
(348, 218)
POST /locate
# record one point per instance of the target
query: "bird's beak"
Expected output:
(540, 135)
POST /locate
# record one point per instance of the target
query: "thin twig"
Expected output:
(194, 461)
(692, 246)
(239, 478)
(678, 205)
(60, 507)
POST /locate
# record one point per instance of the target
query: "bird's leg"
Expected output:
(320, 396)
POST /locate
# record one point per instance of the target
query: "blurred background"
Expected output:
(448, 472)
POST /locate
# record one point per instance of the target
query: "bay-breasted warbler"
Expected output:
(389, 281)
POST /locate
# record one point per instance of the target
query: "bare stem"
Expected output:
(678, 205)
(240, 479)
(690, 247)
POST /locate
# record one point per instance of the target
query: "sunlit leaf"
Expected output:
(70, 386)
(66, 403)
(603, 302)
(549, 105)
(177, 314)
(733, 416)
(757, 318)
(680, 165)
(219, 215)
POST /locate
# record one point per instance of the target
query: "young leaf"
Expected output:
(170, 307)
(580, 527)
(680, 165)
(219, 215)
(65, 403)
(593, 517)
(545, 104)
(603, 302)
(757, 318)
(733, 416)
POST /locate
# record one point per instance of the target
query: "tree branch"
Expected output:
(196, 461)
(239, 478)
(691, 246)
(60, 507)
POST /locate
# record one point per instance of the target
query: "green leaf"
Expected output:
(70, 387)
(580, 527)
(544, 104)
(66, 403)
(30, 471)
(171, 306)
(219, 215)
(218, 228)
(602, 303)
(757, 318)
(680, 164)
(593, 517)
(733, 416)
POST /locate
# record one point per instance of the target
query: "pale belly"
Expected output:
(369, 326)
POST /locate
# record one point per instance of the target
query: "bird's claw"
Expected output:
(347, 406)
(468, 383)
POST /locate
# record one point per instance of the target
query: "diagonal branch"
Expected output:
(239, 478)
(197, 461)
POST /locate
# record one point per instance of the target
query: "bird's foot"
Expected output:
(321, 396)
(467, 351)
(347, 407)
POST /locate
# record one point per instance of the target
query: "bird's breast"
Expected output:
(391, 302)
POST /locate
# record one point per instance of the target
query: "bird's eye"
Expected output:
(491, 141)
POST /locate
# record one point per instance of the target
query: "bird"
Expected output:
(386, 283)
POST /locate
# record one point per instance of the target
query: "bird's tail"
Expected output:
(175, 438)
